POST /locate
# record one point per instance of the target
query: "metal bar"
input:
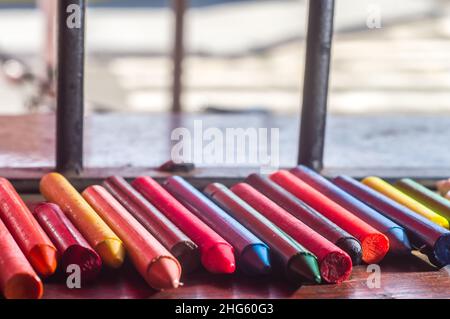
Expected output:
(315, 88)
(70, 90)
(179, 7)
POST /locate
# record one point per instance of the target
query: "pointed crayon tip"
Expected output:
(398, 241)
(164, 273)
(219, 259)
(305, 266)
(112, 252)
(255, 260)
(44, 260)
(353, 248)
(24, 286)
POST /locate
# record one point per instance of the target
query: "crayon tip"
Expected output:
(398, 241)
(43, 258)
(305, 266)
(255, 260)
(88, 260)
(24, 286)
(442, 250)
(164, 273)
(112, 252)
(352, 247)
(336, 267)
(374, 247)
(219, 259)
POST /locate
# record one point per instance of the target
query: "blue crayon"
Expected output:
(252, 254)
(425, 235)
(398, 240)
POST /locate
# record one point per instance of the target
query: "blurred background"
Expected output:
(388, 56)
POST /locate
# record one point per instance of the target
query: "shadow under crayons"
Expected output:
(414, 262)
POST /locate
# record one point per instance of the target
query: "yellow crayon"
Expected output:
(57, 189)
(390, 191)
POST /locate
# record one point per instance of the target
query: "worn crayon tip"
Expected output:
(255, 260)
(219, 259)
(188, 255)
(442, 250)
(112, 252)
(44, 259)
(352, 247)
(398, 241)
(374, 247)
(164, 273)
(24, 286)
(305, 266)
(336, 267)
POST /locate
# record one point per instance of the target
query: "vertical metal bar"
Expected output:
(315, 88)
(70, 90)
(179, 7)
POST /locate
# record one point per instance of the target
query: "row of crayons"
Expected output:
(296, 223)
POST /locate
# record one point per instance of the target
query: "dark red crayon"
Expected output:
(398, 239)
(72, 248)
(431, 238)
(308, 215)
(169, 235)
(335, 264)
(375, 245)
(217, 255)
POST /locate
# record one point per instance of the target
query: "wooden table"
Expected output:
(409, 277)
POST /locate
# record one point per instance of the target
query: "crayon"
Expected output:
(421, 231)
(375, 245)
(18, 280)
(30, 237)
(443, 186)
(72, 248)
(251, 253)
(153, 261)
(335, 264)
(390, 191)
(180, 245)
(307, 215)
(425, 196)
(216, 254)
(296, 262)
(57, 189)
(398, 240)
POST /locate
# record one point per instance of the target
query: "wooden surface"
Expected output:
(408, 277)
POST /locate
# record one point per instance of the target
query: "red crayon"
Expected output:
(30, 237)
(217, 255)
(335, 264)
(72, 248)
(375, 245)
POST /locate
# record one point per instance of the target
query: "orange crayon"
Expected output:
(25, 230)
(154, 262)
(57, 189)
(17, 278)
